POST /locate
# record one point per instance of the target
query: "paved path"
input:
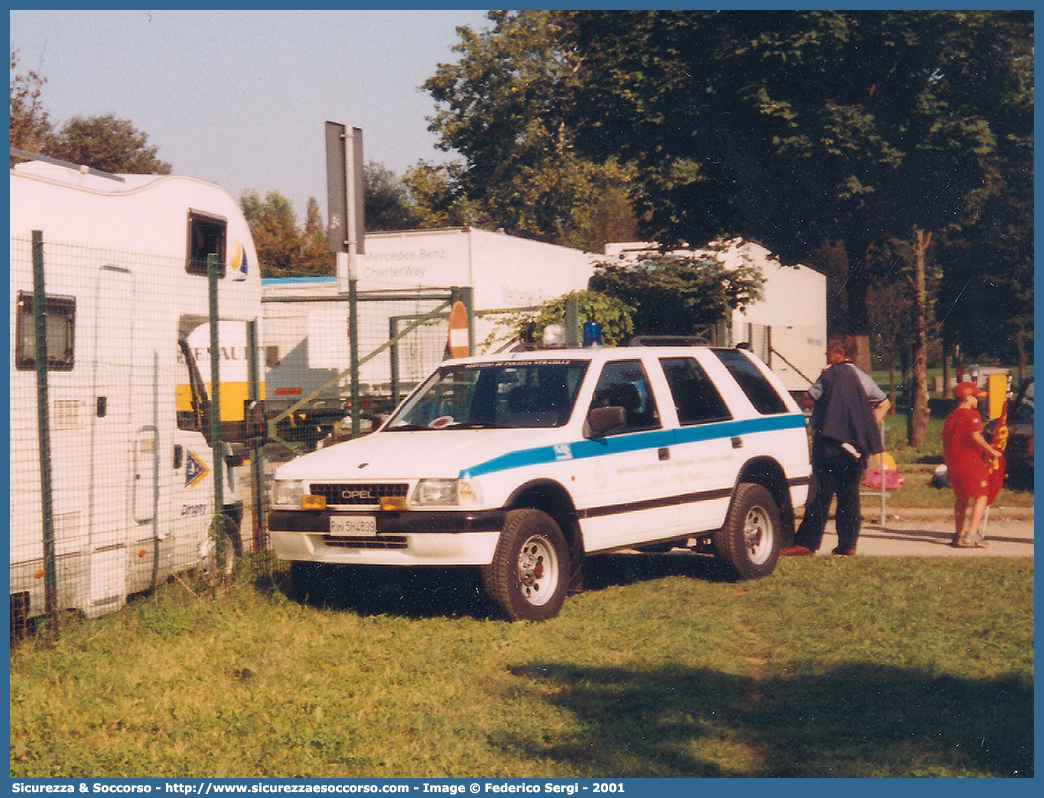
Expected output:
(915, 532)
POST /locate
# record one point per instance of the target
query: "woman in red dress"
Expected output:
(963, 447)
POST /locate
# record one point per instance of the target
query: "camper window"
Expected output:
(206, 236)
(60, 316)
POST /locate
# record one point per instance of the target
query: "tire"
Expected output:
(749, 541)
(530, 570)
(233, 548)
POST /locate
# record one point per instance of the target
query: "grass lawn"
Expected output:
(852, 667)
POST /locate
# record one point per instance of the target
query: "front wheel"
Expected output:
(527, 577)
(749, 541)
(222, 563)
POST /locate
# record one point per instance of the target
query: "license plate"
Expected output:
(353, 526)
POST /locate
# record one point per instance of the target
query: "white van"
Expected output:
(125, 284)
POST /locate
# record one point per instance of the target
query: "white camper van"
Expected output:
(125, 285)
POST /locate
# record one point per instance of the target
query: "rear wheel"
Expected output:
(749, 541)
(528, 575)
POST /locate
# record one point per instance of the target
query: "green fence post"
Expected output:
(393, 357)
(257, 476)
(353, 345)
(216, 444)
(572, 322)
(467, 296)
(43, 419)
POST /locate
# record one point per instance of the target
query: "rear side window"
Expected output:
(695, 397)
(759, 391)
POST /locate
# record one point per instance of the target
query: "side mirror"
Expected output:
(235, 454)
(601, 421)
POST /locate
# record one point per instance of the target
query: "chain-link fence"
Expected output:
(130, 458)
(114, 480)
(307, 338)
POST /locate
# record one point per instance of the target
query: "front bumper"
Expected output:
(407, 538)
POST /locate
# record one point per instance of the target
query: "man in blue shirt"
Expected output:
(847, 408)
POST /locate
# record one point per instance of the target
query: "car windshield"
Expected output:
(537, 393)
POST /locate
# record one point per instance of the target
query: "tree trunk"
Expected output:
(919, 408)
(857, 285)
(1020, 348)
(946, 361)
(891, 380)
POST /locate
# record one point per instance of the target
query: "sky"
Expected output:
(241, 98)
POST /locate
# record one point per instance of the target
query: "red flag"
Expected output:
(997, 466)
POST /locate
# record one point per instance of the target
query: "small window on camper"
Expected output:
(206, 236)
(60, 318)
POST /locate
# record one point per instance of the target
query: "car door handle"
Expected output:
(737, 443)
(178, 456)
(664, 453)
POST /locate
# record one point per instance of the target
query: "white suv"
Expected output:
(523, 464)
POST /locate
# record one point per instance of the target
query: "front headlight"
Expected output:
(287, 493)
(444, 493)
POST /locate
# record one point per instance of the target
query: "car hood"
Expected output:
(414, 455)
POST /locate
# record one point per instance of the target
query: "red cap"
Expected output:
(968, 389)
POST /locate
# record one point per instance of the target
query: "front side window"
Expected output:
(60, 318)
(623, 383)
(206, 237)
(191, 398)
(483, 395)
(695, 397)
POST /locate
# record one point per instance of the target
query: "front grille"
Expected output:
(390, 542)
(356, 494)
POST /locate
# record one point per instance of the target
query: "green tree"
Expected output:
(437, 199)
(678, 294)
(986, 300)
(509, 106)
(386, 200)
(808, 132)
(795, 128)
(106, 143)
(30, 125)
(316, 257)
(273, 226)
(612, 313)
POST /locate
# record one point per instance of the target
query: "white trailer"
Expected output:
(504, 271)
(305, 345)
(132, 467)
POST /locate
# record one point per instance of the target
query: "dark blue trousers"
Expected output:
(834, 473)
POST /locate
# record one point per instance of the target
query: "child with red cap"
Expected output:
(963, 447)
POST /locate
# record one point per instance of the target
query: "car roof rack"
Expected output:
(668, 340)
